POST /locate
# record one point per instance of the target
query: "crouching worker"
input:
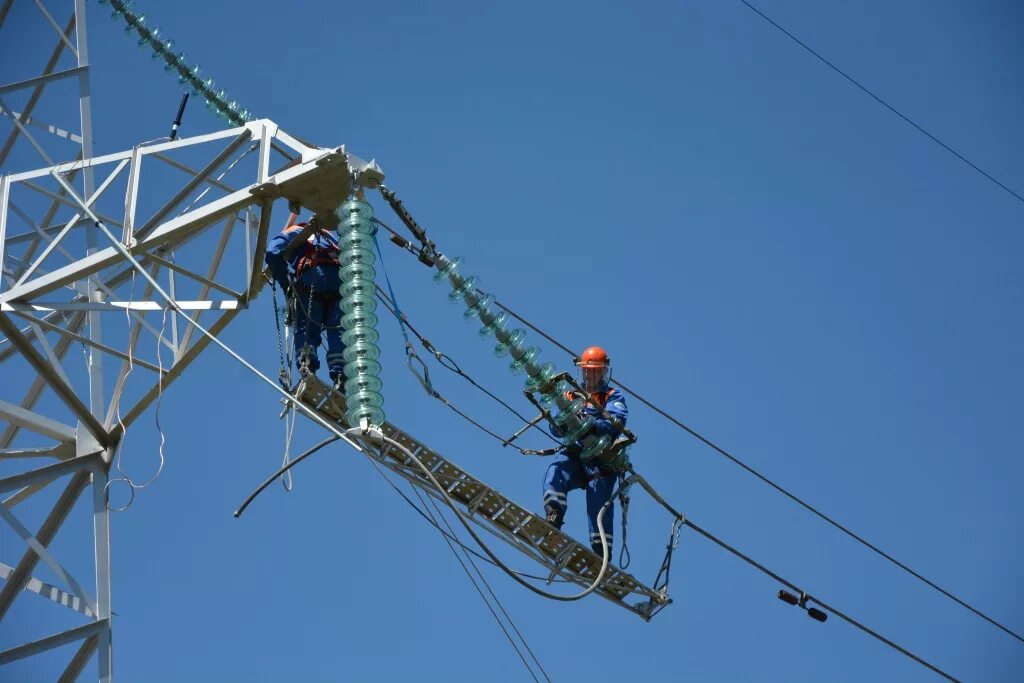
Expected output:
(309, 277)
(569, 472)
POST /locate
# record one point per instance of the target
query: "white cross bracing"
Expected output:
(195, 213)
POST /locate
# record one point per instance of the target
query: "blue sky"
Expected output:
(765, 252)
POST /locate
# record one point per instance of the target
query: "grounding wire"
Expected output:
(778, 487)
(882, 102)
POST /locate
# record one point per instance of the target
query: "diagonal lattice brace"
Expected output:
(22, 573)
(43, 644)
(66, 393)
(50, 592)
(33, 100)
(45, 555)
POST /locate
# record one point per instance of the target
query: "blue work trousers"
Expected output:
(567, 473)
(324, 317)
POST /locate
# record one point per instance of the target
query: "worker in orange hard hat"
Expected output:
(569, 472)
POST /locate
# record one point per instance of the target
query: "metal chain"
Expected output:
(283, 372)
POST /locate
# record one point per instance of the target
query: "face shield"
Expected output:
(594, 377)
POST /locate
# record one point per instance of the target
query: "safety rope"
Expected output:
(625, 557)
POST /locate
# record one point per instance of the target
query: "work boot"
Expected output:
(596, 547)
(554, 515)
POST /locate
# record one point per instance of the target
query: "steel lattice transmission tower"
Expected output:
(121, 256)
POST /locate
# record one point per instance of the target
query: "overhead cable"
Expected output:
(778, 487)
(374, 435)
(882, 102)
(718, 449)
(828, 608)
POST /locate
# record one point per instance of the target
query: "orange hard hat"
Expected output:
(595, 369)
(594, 357)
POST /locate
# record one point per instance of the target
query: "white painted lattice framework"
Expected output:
(195, 214)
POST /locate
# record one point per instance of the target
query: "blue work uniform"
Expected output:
(311, 273)
(567, 472)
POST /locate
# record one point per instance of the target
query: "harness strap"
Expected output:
(315, 255)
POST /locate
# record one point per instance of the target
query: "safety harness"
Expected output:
(314, 255)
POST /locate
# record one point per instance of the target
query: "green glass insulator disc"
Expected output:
(569, 413)
(363, 383)
(358, 318)
(360, 353)
(542, 374)
(357, 271)
(513, 338)
(355, 208)
(362, 366)
(556, 396)
(472, 298)
(356, 226)
(467, 286)
(190, 77)
(594, 446)
(364, 399)
(353, 239)
(476, 308)
(216, 100)
(497, 322)
(357, 255)
(176, 63)
(446, 267)
(357, 289)
(518, 364)
(358, 303)
(367, 335)
(563, 395)
(585, 424)
(531, 367)
(374, 416)
(489, 316)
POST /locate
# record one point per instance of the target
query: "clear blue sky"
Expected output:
(763, 249)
